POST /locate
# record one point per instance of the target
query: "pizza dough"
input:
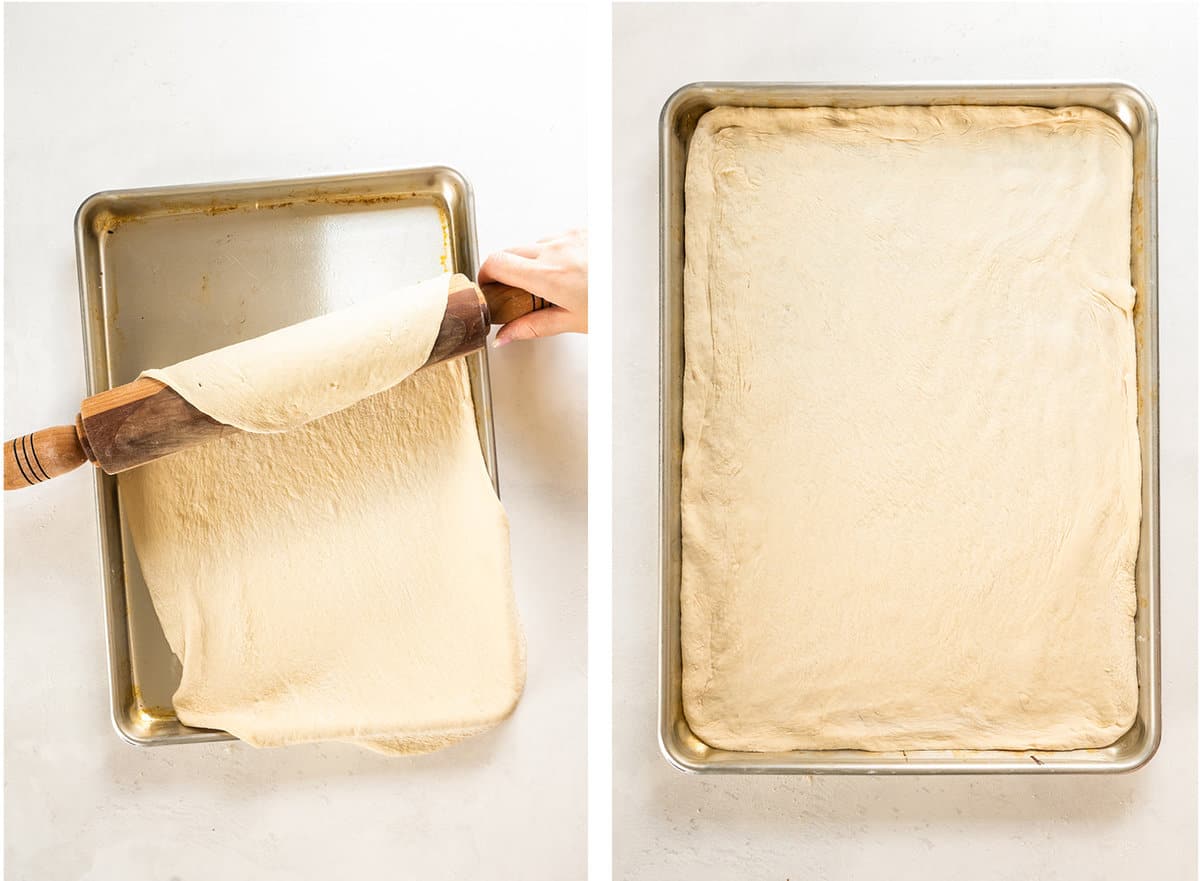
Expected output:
(348, 579)
(911, 478)
(283, 379)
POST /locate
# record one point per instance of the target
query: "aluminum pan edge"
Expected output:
(445, 186)
(1129, 105)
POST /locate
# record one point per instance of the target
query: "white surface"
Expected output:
(102, 97)
(670, 826)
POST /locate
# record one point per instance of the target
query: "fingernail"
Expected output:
(499, 341)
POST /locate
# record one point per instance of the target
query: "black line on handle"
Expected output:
(45, 473)
(18, 461)
(28, 463)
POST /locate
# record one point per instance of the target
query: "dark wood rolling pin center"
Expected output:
(466, 323)
(141, 421)
(145, 420)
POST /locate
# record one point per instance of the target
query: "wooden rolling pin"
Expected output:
(145, 420)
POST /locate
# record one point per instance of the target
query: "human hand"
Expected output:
(554, 269)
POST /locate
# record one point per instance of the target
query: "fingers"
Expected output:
(545, 322)
(555, 269)
(515, 267)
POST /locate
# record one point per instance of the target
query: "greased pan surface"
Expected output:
(677, 123)
(169, 273)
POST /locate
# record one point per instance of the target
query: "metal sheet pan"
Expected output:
(677, 123)
(165, 274)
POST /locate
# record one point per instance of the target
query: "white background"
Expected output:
(102, 97)
(669, 826)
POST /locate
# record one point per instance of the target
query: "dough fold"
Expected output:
(911, 477)
(284, 379)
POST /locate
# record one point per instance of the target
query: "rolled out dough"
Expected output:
(911, 477)
(348, 579)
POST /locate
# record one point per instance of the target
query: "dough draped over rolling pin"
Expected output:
(299, 373)
(348, 579)
(911, 476)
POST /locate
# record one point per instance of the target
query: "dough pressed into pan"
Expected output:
(911, 476)
(347, 578)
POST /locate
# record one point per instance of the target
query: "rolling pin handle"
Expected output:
(37, 457)
(506, 303)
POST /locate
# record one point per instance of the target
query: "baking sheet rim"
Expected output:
(446, 187)
(671, 167)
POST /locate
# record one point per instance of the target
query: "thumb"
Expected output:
(544, 322)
